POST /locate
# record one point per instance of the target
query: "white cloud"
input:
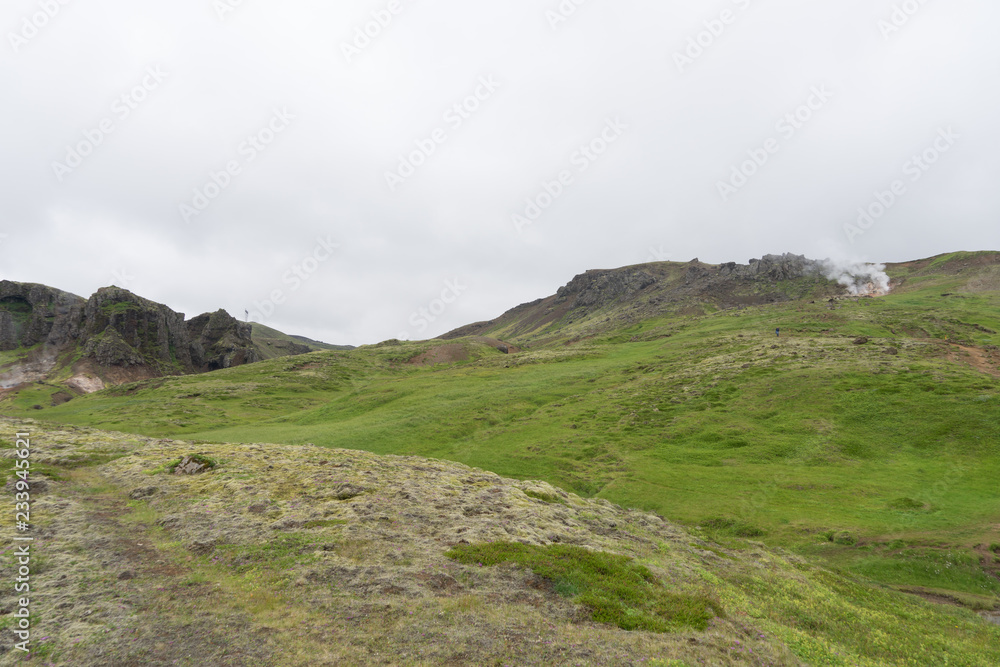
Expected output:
(656, 187)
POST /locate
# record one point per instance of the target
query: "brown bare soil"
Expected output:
(982, 360)
(112, 375)
(444, 354)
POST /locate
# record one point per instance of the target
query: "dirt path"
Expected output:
(118, 599)
(982, 361)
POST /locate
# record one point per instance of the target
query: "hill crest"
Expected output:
(600, 300)
(116, 336)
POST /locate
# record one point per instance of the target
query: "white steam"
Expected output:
(860, 278)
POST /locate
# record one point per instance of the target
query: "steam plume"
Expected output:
(860, 278)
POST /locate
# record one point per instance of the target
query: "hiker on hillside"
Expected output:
(777, 332)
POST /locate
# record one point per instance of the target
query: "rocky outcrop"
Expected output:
(8, 332)
(150, 330)
(159, 336)
(218, 340)
(610, 298)
(31, 314)
(109, 348)
(595, 289)
(117, 329)
(770, 267)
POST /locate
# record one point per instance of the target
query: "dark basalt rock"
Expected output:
(32, 314)
(218, 340)
(110, 349)
(772, 267)
(601, 288)
(116, 328)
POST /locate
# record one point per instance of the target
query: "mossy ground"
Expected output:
(304, 555)
(612, 587)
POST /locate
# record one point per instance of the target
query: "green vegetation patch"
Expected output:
(210, 464)
(547, 497)
(617, 590)
(951, 569)
(324, 523)
(906, 504)
(731, 527)
(168, 467)
(278, 554)
(120, 308)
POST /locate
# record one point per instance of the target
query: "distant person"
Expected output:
(777, 332)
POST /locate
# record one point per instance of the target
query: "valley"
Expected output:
(865, 439)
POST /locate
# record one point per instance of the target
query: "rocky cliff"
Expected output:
(602, 288)
(123, 329)
(218, 340)
(116, 329)
(32, 314)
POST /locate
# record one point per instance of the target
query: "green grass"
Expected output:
(953, 569)
(707, 420)
(276, 555)
(120, 308)
(731, 528)
(829, 619)
(194, 458)
(166, 468)
(547, 497)
(324, 523)
(614, 588)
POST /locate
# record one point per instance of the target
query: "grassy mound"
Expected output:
(615, 589)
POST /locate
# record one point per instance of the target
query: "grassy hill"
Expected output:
(866, 438)
(272, 343)
(599, 302)
(306, 555)
(55, 345)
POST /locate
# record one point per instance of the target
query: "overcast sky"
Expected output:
(464, 156)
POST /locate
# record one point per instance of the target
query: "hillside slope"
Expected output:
(303, 555)
(272, 343)
(50, 339)
(600, 301)
(866, 437)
